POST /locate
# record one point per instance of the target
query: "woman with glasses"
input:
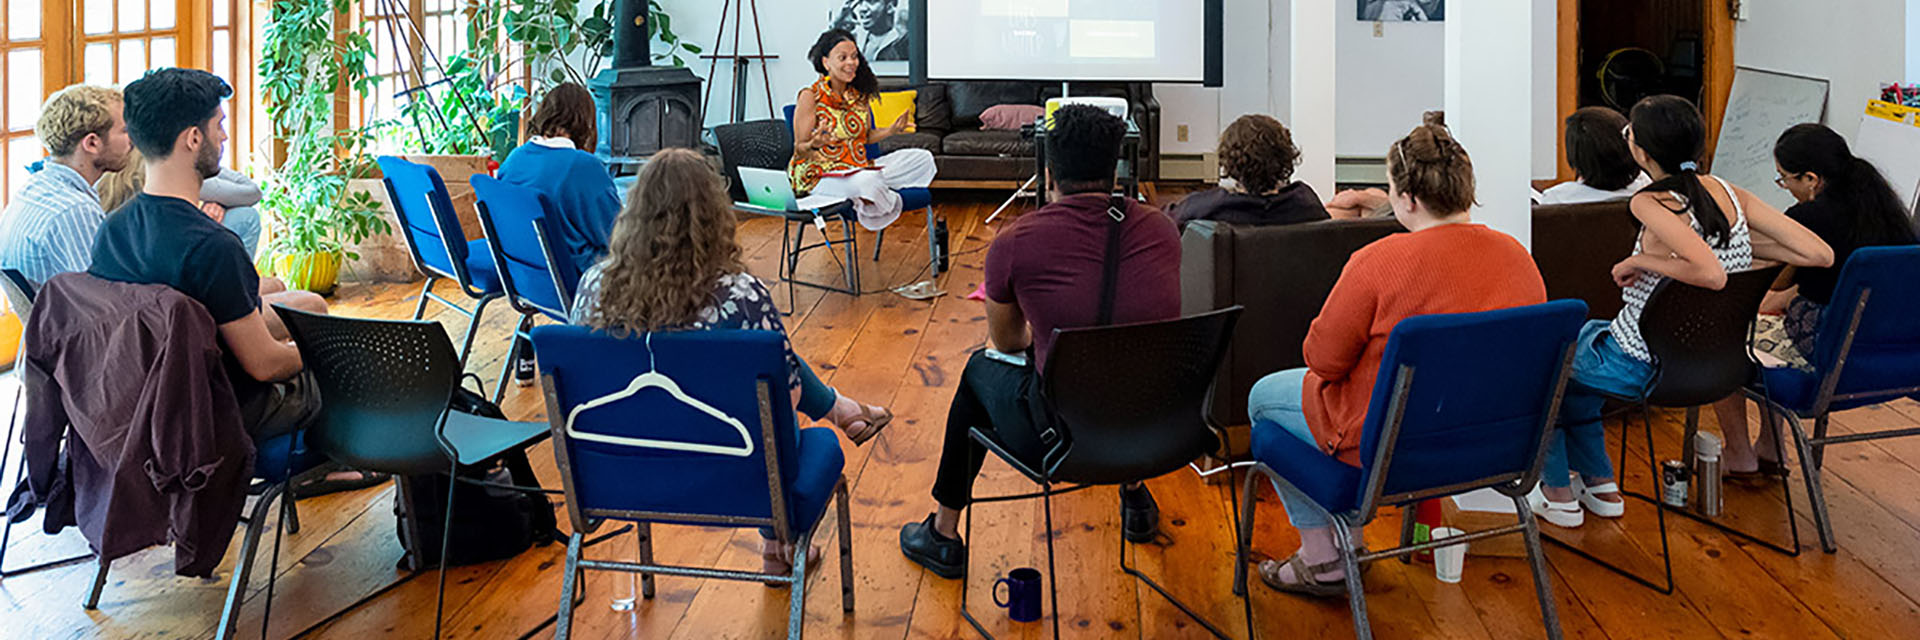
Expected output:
(1849, 204)
(1695, 228)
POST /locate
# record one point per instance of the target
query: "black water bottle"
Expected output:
(940, 247)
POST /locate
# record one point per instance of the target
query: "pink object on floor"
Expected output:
(979, 293)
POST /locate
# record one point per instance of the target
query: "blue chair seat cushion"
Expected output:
(915, 199)
(1330, 482)
(480, 267)
(820, 464)
(1796, 389)
(283, 457)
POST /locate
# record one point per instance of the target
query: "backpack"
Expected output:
(491, 522)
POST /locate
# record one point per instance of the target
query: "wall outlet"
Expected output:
(1379, 29)
(1181, 133)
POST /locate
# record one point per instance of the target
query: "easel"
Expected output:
(739, 59)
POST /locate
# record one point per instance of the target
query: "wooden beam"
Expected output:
(1719, 69)
(1569, 80)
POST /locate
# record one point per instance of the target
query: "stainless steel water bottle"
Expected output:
(1706, 472)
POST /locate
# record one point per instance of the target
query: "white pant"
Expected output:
(872, 191)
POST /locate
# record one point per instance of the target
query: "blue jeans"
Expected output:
(1276, 400)
(1601, 369)
(245, 222)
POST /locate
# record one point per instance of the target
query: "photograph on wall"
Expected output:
(1402, 10)
(879, 27)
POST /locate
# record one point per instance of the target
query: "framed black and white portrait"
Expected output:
(879, 27)
(1402, 10)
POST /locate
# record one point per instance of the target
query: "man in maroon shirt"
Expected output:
(1044, 272)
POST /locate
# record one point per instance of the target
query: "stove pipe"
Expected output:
(631, 46)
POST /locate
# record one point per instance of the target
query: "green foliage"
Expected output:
(660, 29)
(571, 46)
(468, 114)
(303, 65)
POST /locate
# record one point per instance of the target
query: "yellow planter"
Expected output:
(316, 272)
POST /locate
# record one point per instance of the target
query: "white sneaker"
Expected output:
(1589, 498)
(1566, 515)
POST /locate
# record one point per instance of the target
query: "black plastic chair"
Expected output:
(1698, 338)
(768, 144)
(388, 385)
(1130, 404)
(19, 293)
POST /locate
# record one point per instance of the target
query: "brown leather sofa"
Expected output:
(1282, 275)
(947, 123)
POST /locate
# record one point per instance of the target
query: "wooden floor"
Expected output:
(883, 349)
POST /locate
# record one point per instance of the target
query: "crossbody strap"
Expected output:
(1110, 271)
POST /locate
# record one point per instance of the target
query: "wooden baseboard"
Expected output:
(1003, 185)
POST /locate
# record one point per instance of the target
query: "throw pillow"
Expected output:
(1010, 117)
(888, 107)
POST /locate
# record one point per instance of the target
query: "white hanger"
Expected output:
(655, 379)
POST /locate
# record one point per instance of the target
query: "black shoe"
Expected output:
(524, 372)
(1139, 515)
(945, 557)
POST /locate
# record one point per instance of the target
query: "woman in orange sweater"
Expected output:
(1447, 264)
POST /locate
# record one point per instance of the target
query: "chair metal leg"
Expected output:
(1233, 504)
(879, 240)
(1128, 569)
(1537, 561)
(1687, 453)
(99, 582)
(420, 309)
(6, 537)
(249, 547)
(290, 512)
(846, 549)
(1053, 574)
(643, 546)
(1819, 441)
(473, 326)
(1243, 533)
(446, 542)
(1810, 467)
(797, 595)
(1356, 590)
(563, 623)
(967, 577)
(513, 357)
(1407, 520)
(1660, 512)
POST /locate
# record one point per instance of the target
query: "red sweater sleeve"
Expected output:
(1337, 339)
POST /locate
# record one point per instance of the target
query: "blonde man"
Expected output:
(48, 227)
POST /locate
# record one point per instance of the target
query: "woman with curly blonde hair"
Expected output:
(673, 265)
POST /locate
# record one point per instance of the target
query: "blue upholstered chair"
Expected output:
(522, 235)
(1867, 351)
(1448, 415)
(431, 229)
(688, 428)
(911, 200)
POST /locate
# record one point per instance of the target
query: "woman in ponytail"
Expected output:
(1447, 264)
(1695, 228)
(1844, 200)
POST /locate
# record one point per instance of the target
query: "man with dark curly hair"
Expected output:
(1257, 156)
(1048, 271)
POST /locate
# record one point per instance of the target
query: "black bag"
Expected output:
(490, 522)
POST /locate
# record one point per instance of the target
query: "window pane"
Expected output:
(223, 54)
(23, 19)
(23, 88)
(99, 64)
(133, 15)
(20, 152)
(99, 15)
(221, 8)
(133, 60)
(164, 54)
(163, 12)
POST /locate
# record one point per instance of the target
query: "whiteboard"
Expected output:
(1762, 106)
(1893, 147)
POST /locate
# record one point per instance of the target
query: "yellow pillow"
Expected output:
(887, 107)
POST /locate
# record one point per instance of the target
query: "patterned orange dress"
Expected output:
(844, 114)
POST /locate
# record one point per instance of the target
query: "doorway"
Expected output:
(1614, 52)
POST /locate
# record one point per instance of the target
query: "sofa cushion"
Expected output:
(987, 143)
(932, 111)
(927, 141)
(972, 98)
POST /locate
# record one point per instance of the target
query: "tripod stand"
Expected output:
(740, 60)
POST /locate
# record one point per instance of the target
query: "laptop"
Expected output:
(770, 189)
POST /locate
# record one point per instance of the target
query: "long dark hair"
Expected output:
(1852, 183)
(863, 80)
(1671, 132)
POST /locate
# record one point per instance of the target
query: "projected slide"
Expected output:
(1066, 39)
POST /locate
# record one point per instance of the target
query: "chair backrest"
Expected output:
(1132, 398)
(1463, 401)
(19, 292)
(385, 386)
(648, 455)
(1878, 301)
(428, 222)
(1698, 337)
(873, 150)
(764, 144)
(511, 215)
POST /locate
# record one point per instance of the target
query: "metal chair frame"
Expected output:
(528, 311)
(434, 275)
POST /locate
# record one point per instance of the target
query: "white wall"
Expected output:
(1913, 41)
(788, 28)
(1489, 73)
(1387, 82)
(1855, 45)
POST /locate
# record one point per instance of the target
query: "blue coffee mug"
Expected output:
(1023, 594)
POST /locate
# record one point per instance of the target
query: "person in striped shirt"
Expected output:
(47, 228)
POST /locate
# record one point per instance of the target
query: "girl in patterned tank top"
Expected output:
(1695, 228)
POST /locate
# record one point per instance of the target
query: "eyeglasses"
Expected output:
(1781, 181)
(1626, 132)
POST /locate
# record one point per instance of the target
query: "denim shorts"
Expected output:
(1601, 367)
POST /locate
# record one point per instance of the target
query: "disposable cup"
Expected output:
(1448, 561)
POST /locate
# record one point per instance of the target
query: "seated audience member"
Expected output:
(832, 126)
(1603, 168)
(47, 228)
(1447, 264)
(1849, 204)
(1257, 154)
(228, 198)
(1045, 272)
(1695, 228)
(674, 266)
(1354, 204)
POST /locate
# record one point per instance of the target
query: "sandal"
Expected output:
(875, 422)
(322, 484)
(1304, 574)
(782, 564)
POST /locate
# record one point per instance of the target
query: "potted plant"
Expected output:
(304, 63)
